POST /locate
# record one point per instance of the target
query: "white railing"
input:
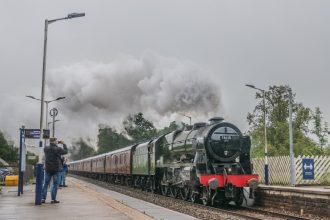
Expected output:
(279, 170)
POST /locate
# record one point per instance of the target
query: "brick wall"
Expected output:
(316, 202)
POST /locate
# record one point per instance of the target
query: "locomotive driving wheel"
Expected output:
(174, 192)
(164, 188)
(195, 197)
(185, 192)
(239, 197)
(206, 197)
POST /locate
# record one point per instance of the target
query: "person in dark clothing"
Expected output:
(64, 171)
(61, 173)
(53, 166)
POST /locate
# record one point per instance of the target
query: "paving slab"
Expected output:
(150, 209)
(83, 201)
(74, 204)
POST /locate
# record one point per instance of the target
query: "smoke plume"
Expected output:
(158, 87)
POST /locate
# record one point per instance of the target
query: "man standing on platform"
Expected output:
(53, 166)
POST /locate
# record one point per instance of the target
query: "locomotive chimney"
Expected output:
(215, 120)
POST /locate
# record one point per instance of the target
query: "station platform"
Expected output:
(83, 201)
(325, 190)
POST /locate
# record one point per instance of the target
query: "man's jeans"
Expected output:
(56, 179)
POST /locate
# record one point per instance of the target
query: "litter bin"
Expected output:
(11, 180)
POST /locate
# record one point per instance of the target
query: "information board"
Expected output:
(35, 133)
(308, 168)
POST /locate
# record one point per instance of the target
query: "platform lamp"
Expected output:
(46, 102)
(292, 163)
(53, 122)
(39, 178)
(265, 131)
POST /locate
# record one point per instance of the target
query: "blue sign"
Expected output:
(35, 133)
(308, 169)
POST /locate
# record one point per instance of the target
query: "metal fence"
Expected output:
(279, 170)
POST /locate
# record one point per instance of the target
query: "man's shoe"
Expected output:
(43, 200)
(65, 185)
(55, 201)
(60, 185)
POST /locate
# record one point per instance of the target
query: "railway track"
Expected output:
(277, 214)
(254, 213)
(197, 210)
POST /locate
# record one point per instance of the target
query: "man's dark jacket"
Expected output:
(53, 155)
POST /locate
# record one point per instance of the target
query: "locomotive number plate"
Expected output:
(222, 137)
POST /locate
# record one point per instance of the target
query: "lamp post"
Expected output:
(46, 102)
(39, 178)
(292, 163)
(53, 122)
(265, 130)
(187, 117)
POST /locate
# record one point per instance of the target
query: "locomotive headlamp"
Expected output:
(253, 183)
(213, 183)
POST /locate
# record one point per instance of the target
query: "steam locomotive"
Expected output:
(208, 163)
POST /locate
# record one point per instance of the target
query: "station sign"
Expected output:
(308, 169)
(32, 157)
(35, 133)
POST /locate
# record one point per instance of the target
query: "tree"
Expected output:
(172, 127)
(277, 115)
(80, 150)
(321, 131)
(109, 139)
(7, 152)
(31, 161)
(136, 128)
(139, 128)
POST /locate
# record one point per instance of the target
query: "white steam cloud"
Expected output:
(156, 86)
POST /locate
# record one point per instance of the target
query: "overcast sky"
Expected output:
(159, 57)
